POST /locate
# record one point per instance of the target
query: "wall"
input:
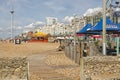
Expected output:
(102, 67)
(13, 68)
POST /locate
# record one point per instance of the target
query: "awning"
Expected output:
(86, 28)
(39, 34)
(110, 26)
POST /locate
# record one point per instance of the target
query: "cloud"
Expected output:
(19, 28)
(21, 21)
(36, 24)
(39, 23)
(26, 31)
(30, 26)
(28, 11)
(68, 18)
(92, 11)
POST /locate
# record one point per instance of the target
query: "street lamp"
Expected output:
(104, 27)
(75, 22)
(12, 12)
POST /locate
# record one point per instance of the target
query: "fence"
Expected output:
(75, 55)
(94, 66)
(14, 68)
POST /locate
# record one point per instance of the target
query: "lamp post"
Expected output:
(75, 22)
(12, 12)
(104, 27)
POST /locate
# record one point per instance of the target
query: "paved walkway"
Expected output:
(46, 72)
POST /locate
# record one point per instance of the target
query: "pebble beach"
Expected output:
(46, 63)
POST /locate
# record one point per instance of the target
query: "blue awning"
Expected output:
(110, 26)
(118, 26)
(86, 28)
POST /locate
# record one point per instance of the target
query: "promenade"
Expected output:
(45, 62)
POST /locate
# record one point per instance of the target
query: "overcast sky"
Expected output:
(28, 12)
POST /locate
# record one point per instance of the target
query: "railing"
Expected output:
(95, 65)
(91, 51)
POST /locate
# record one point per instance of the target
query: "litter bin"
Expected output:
(17, 41)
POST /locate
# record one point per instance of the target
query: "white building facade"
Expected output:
(51, 20)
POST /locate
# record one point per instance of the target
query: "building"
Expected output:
(57, 29)
(51, 20)
(114, 10)
(116, 17)
(93, 19)
(82, 23)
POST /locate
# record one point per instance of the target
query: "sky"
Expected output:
(31, 12)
